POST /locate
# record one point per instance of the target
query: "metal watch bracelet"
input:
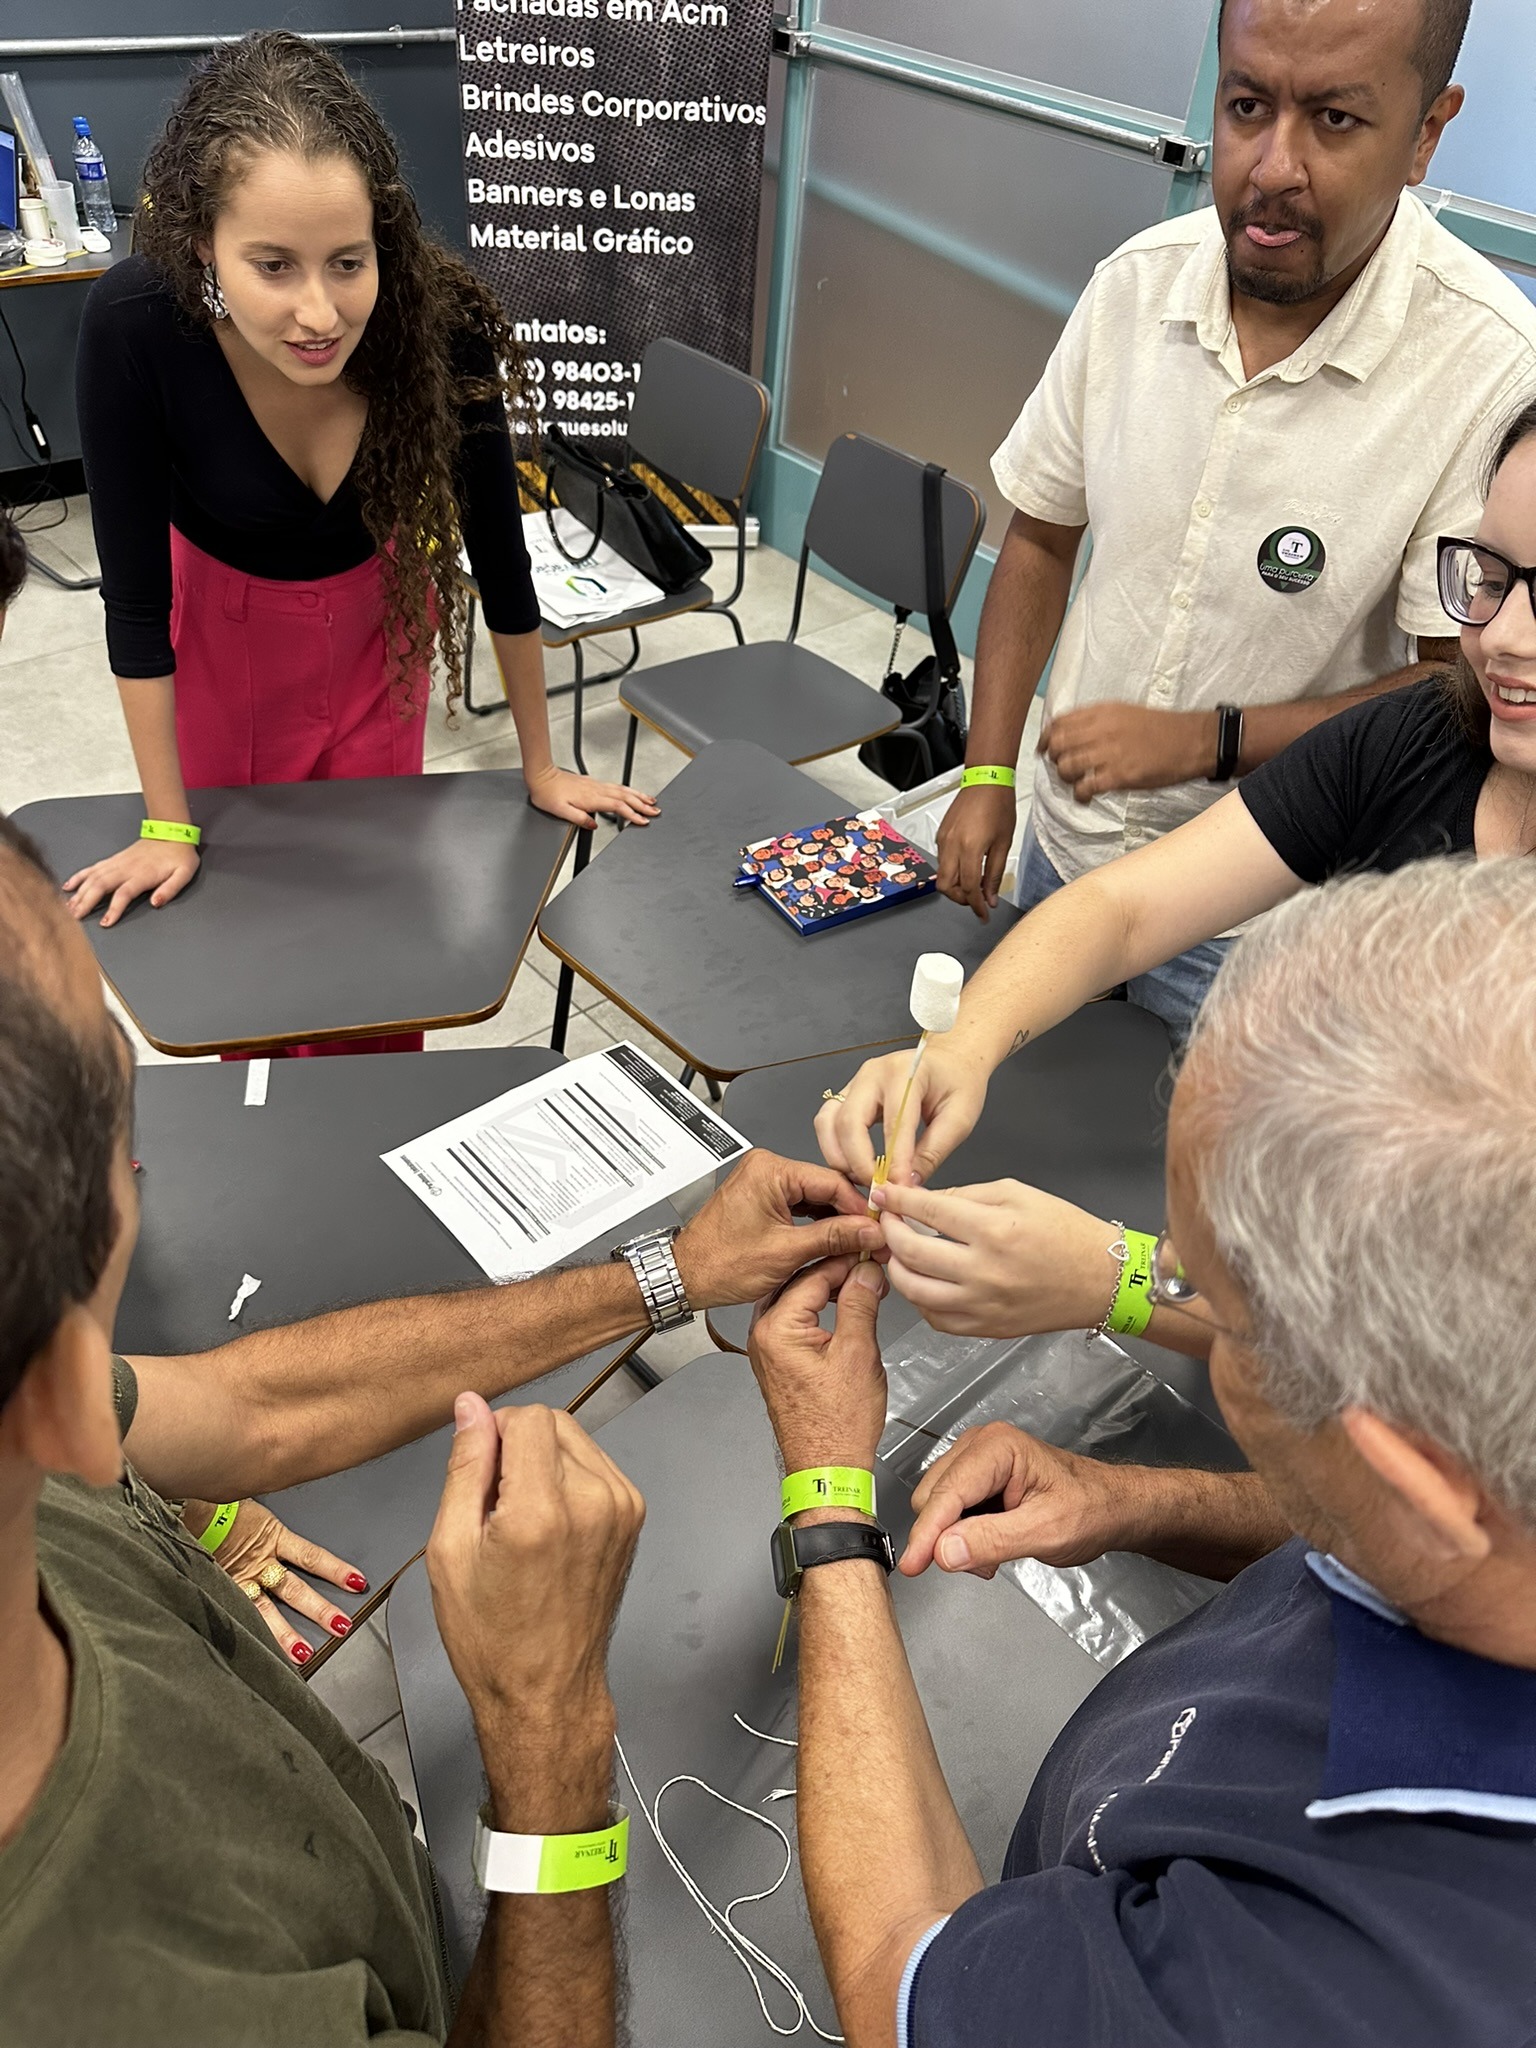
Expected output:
(661, 1284)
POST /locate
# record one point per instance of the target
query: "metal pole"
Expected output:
(1023, 103)
(794, 144)
(159, 46)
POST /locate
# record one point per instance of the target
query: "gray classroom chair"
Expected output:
(696, 422)
(866, 522)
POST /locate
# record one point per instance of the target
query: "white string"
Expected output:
(784, 1741)
(740, 1944)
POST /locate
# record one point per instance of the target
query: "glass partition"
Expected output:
(932, 248)
(942, 247)
(1139, 53)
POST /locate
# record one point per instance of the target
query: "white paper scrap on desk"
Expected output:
(572, 595)
(243, 1293)
(529, 1179)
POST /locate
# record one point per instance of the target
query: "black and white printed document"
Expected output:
(530, 1178)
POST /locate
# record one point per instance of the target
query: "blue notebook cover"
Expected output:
(826, 875)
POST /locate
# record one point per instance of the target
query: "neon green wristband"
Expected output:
(827, 1486)
(1000, 778)
(223, 1521)
(551, 1863)
(171, 828)
(1131, 1310)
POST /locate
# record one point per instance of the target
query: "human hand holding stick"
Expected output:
(937, 980)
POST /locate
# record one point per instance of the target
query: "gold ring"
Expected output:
(251, 1588)
(271, 1576)
(832, 1095)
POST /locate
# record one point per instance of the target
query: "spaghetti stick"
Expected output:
(935, 1004)
(883, 1163)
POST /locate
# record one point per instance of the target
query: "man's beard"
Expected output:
(1272, 286)
(1275, 287)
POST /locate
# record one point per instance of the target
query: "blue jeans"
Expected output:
(1173, 991)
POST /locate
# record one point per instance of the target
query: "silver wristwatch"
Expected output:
(661, 1285)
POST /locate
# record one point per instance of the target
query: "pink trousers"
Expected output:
(289, 682)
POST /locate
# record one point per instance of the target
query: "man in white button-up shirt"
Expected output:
(1267, 412)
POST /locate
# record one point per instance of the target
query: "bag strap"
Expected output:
(550, 459)
(946, 656)
(902, 616)
(933, 565)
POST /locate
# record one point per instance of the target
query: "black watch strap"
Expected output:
(1229, 741)
(796, 1550)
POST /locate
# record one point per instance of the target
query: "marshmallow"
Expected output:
(936, 984)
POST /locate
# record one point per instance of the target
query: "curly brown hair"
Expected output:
(13, 559)
(277, 91)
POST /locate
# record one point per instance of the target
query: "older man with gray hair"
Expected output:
(1307, 1814)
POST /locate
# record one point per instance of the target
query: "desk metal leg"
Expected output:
(723, 611)
(581, 761)
(642, 1369)
(690, 1074)
(64, 582)
(608, 675)
(567, 982)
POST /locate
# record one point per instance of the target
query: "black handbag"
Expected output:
(617, 507)
(930, 739)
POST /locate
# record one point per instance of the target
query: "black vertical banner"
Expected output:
(613, 155)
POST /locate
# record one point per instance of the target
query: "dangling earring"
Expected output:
(213, 298)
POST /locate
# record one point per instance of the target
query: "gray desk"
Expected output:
(323, 910)
(715, 971)
(295, 1194)
(693, 1645)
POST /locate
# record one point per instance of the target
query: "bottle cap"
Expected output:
(82, 126)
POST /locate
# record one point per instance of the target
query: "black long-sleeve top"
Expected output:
(168, 439)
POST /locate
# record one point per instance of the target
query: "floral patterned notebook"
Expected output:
(826, 875)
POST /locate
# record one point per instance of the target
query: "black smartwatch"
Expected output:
(796, 1550)
(1229, 741)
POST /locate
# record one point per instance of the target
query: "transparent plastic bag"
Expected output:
(1082, 1393)
(918, 813)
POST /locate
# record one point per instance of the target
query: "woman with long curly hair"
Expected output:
(293, 408)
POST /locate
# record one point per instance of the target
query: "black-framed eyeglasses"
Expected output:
(1475, 580)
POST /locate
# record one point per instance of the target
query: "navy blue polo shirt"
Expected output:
(1291, 1821)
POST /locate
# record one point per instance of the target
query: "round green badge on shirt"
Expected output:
(1292, 559)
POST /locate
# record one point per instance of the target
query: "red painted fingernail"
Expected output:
(339, 1624)
(301, 1653)
(357, 1582)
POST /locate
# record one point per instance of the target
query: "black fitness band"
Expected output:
(1229, 741)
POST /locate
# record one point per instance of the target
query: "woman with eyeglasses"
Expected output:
(1445, 766)
(293, 409)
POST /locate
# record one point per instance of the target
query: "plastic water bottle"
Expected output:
(91, 170)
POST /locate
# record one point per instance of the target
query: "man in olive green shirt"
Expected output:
(191, 1849)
